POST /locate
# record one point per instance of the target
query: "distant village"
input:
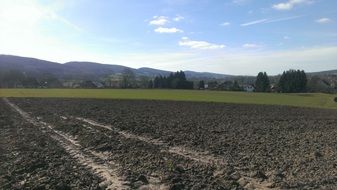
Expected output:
(122, 80)
(326, 84)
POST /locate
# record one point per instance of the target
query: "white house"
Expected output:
(248, 88)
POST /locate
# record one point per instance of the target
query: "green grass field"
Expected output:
(316, 100)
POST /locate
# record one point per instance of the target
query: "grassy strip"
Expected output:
(316, 100)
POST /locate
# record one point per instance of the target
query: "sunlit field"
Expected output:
(316, 100)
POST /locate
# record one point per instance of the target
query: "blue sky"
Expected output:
(229, 36)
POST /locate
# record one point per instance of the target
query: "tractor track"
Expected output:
(98, 165)
(185, 152)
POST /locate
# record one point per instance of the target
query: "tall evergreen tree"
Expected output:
(262, 83)
(201, 84)
(150, 84)
(236, 86)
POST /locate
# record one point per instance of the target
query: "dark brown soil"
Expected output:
(30, 159)
(261, 146)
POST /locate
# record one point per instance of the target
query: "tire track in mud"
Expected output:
(89, 159)
(201, 157)
(98, 161)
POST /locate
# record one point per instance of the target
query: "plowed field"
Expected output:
(137, 144)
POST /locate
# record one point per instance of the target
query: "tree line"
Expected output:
(17, 79)
(175, 80)
(291, 81)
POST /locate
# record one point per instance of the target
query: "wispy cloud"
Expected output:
(286, 37)
(283, 19)
(168, 30)
(266, 20)
(178, 18)
(67, 22)
(290, 4)
(250, 46)
(199, 44)
(254, 22)
(163, 20)
(241, 2)
(159, 20)
(225, 24)
(323, 20)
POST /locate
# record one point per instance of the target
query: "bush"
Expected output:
(335, 99)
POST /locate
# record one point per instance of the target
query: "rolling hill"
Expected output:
(84, 70)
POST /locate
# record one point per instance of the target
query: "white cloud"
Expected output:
(323, 20)
(286, 37)
(248, 45)
(163, 20)
(178, 18)
(199, 44)
(159, 20)
(288, 5)
(225, 24)
(168, 30)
